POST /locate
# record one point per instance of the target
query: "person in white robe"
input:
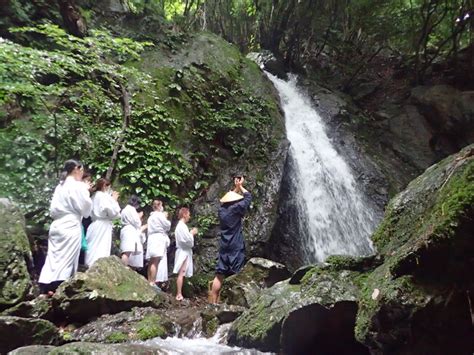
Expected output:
(70, 203)
(105, 209)
(131, 234)
(183, 261)
(158, 242)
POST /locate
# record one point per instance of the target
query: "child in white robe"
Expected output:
(183, 261)
(158, 242)
(105, 209)
(131, 244)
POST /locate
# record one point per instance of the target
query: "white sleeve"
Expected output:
(81, 200)
(109, 207)
(165, 223)
(184, 236)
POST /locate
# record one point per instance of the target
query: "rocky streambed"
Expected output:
(413, 296)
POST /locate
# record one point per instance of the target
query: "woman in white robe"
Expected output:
(183, 260)
(131, 244)
(71, 202)
(158, 242)
(105, 209)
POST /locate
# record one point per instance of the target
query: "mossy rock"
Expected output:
(135, 325)
(91, 348)
(15, 256)
(243, 288)
(107, 287)
(37, 308)
(428, 227)
(328, 296)
(16, 332)
(414, 301)
(194, 286)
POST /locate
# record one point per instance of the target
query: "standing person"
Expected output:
(183, 261)
(131, 244)
(158, 242)
(71, 202)
(105, 209)
(86, 222)
(232, 245)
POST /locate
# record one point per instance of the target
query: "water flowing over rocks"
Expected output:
(16, 332)
(107, 287)
(15, 256)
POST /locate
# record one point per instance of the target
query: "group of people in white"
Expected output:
(71, 203)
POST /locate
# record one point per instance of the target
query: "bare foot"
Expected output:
(179, 297)
(50, 293)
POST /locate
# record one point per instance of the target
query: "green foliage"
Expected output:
(117, 337)
(206, 222)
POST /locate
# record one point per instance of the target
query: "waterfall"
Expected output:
(333, 217)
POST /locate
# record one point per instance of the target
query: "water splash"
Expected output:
(335, 219)
(200, 345)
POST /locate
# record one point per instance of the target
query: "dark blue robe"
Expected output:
(232, 245)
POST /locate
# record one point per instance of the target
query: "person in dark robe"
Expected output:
(234, 205)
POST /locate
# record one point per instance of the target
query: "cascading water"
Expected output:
(333, 215)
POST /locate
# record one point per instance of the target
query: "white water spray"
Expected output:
(335, 217)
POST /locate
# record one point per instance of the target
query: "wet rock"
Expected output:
(138, 324)
(318, 311)
(16, 332)
(215, 315)
(449, 111)
(15, 256)
(37, 308)
(107, 287)
(91, 348)
(268, 61)
(243, 288)
(422, 289)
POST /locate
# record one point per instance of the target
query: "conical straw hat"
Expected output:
(231, 196)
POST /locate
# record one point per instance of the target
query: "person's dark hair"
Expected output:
(159, 204)
(99, 185)
(134, 201)
(182, 212)
(69, 166)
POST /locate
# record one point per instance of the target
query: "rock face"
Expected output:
(15, 256)
(418, 299)
(16, 332)
(107, 287)
(317, 312)
(244, 288)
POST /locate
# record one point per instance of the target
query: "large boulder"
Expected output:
(16, 332)
(138, 324)
(243, 289)
(15, 256)
(317, 312)
(418, 300)
(107, 287)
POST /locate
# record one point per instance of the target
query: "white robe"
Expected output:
(184, 249)
(158, 242)
(70, 203)
(130, 236)
(99, 234)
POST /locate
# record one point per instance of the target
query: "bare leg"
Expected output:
(125, 257)
(152, 269)
(216, 286)
(180, 280)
